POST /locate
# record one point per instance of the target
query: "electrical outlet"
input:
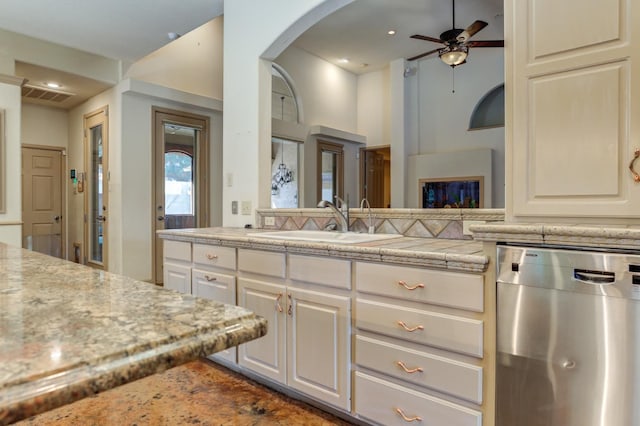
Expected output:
(269, 221)
(246, 207)
(234, 207)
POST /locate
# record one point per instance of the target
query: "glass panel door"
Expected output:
(95, 184)
(330, 170)
(97, 208)
(180, 187)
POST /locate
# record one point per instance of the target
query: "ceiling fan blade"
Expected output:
(422, 55)
(471, 30)
(426, 38)
(486, 43)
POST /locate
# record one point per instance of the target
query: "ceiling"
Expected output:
(128, 30)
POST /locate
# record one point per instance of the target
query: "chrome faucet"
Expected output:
(371, 228)
(341, 211)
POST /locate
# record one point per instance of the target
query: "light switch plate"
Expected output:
(234, 207)
(269, 221)
(246, 207)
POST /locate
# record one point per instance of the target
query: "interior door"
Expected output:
(96, 188)
(42, 200)
(181, 167)
(375, 175)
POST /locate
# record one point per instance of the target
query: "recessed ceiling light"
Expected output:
(53, 84)
(343, 60)
(391, 32)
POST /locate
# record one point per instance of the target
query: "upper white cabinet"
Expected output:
(573, 81)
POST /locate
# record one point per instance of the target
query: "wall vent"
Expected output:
(34, 92)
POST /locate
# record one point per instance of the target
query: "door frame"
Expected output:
(159, 116)
(63, 192)
(105, 185)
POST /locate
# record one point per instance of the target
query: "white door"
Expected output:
(318, 346)
(42, 200)
(266, 355)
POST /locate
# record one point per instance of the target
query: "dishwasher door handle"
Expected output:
(594, 277)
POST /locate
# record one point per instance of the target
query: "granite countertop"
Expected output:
(461, 255)
(68, 331)
(571, 235)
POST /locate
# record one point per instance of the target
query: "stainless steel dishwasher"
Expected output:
(568, 338)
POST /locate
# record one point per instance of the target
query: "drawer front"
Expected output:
(453, 377)
(458, 290)
(320, 270)
(450, 332)
(386, 403)
(262, 262)
(219, 257)
(214, 286)
(176, 250)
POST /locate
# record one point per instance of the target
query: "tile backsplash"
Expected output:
(423, 223)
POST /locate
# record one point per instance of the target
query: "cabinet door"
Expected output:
(177, 277)
(218, 287)
(267, 355)
(318, 330)
(576, 119)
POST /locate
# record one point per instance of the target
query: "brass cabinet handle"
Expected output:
(209, 278)
(290, 310)
(408, 419)
(409, 370)
(636, 176)
(278, 306)
(410, 329)
(408, 287)
(212, 256)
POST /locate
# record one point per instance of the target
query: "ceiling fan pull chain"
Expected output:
(453, 80)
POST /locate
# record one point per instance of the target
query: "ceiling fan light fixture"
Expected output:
(454, 55)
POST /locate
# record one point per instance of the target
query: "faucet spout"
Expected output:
(365, 203)
(342, 219)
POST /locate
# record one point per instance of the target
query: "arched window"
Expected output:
(284, 102)
(178, 183)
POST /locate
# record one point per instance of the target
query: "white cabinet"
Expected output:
(204, 270)
(177, 266)
(573, 94)
(419, 345)
(307, 346)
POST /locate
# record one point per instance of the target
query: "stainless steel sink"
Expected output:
(325, 236)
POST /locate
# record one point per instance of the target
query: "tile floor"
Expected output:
(199, 393)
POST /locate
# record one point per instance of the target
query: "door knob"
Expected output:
(160, 218)
(56, 218)
(101, 218)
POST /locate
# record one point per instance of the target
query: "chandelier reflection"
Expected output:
(283, 174)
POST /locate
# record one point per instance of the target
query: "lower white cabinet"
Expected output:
(176, 273)
(387, 403)
(307, 345)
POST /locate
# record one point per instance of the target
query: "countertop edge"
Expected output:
(30, 398)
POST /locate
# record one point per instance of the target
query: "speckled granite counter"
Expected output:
(462, 255)
(68, 331)
(577, 235)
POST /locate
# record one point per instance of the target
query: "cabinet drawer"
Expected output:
(262, 262)
(456, 378)
(320, 270)
(220, 257)
(465, 291)
(450, 332)
(380, 401)
(177, 250)
(214, 286)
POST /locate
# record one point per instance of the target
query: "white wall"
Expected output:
(196, 64)
(374, 107)
(11, 219)
(328, 94)
(42, 125)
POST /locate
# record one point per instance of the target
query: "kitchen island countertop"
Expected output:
(68, 331)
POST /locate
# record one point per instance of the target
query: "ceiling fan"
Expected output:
(456, 42)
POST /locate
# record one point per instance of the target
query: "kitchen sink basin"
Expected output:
(325, 236)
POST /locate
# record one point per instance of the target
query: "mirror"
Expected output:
(439, 101)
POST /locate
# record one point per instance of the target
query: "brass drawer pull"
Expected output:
(209, 278)
(408, 287)
(278, 306)
(409, 370)
(408, 419)
(212, 256)
(410, 329)
(636, 176)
